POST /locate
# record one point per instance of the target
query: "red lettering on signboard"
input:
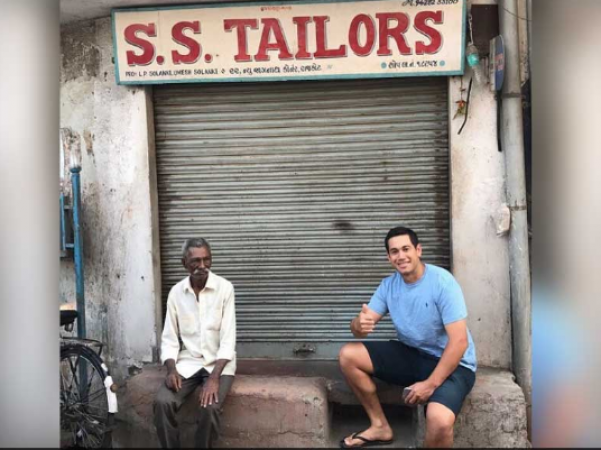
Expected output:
(362, 38)
(322, 51)
(177, 32)
(147, 56)
(301, 34)
(435, 37)
(269, 26)
(353, 35)
(240, 25)
(397, 33)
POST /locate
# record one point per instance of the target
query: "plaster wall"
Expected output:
(111, 124)
(480, 256)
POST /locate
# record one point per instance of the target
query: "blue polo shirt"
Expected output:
(420, 310)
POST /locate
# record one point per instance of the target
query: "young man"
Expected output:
(200, 312)
(434, 354)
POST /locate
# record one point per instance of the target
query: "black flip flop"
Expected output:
(366, 442)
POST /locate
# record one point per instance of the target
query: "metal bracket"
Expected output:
(304, 348)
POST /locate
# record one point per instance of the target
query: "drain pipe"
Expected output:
(78, 251)
(513, 146)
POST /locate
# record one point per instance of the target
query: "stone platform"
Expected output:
(291, 403)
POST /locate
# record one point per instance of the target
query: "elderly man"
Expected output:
(434, 354)
(200, 315)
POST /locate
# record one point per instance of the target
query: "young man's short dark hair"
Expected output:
(401, 231)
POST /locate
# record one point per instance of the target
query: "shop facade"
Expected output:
(294, 180)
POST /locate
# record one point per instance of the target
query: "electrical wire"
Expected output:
(515, 15)
(469, 18)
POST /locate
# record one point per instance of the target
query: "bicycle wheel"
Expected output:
(84, 414)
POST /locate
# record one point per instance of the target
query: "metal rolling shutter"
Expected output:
(295, 185)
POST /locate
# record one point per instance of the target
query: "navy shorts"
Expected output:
(397, 363)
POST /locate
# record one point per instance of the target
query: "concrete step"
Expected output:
(276, 412)
(308, 404)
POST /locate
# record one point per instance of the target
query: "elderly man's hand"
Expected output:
(174, 381)
(210, 392)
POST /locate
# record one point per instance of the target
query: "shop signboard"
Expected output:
(278, 41)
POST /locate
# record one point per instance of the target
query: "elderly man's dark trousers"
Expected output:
(208, 420)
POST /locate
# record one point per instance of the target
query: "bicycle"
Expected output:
(88, 399)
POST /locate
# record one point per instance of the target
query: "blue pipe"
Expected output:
(78, 252)
(63, 233)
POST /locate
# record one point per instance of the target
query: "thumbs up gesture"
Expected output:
(365, 322)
